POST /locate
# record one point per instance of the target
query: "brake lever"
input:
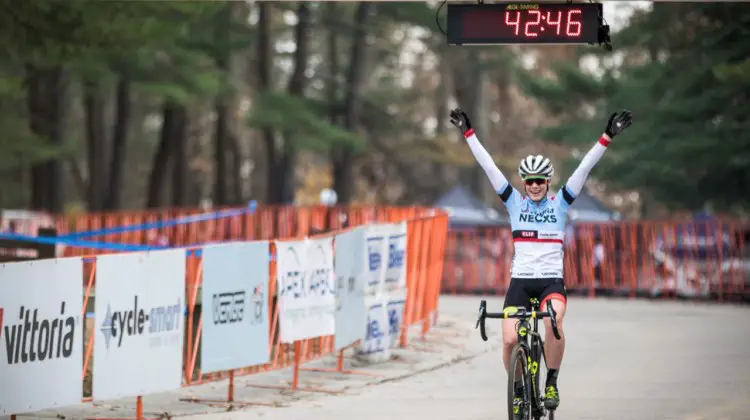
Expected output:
(553, 319)
(481, 318)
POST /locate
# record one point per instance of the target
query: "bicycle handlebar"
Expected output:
(520, 313)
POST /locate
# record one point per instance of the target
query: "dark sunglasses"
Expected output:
(537, 181)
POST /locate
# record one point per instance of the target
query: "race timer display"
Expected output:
(524, 23)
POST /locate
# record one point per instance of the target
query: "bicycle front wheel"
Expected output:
(518, 375)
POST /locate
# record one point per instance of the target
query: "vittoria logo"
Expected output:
(36, 338)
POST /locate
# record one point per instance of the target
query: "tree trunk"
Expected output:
(343, 170)
(161, 160)
(332, 86)
(221, 55)
(220, 154)
(467, 85)
(96, 146)
(297, 83)
(45, 102)
(123, 111)
(179, 145)
(265, 61)
(440, 169)
(236, 178)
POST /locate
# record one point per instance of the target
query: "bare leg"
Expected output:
(509, 340)
(554, 348)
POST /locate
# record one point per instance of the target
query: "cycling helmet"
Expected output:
(536, 166)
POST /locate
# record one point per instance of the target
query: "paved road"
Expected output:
(625, 360)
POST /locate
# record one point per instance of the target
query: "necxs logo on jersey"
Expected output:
(544, 216)
(36, 338)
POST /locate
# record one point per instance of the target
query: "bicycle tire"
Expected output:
(518, 355)
(537, 355)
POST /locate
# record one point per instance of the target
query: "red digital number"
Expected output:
(516, 23)
(526, 30)
(555, 23)
(573, 27)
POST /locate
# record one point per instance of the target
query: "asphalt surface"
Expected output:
(625, 360)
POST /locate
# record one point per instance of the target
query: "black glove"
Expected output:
(460, 120)
(617, 123)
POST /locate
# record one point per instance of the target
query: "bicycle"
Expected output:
(527, 352)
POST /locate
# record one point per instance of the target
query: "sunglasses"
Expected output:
(537, 181)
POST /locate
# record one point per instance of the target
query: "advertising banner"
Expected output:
(386, 289)
(139, 312)
(350, 264)
(395, 273)
(306, 285)
(377, 254)
(41, 334)
(235, 306)
(376, 345)
(395, 318)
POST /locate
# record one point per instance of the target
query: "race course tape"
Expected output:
(165, 223)
(193, 250)
(51, 240)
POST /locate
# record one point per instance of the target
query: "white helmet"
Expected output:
(538, 166)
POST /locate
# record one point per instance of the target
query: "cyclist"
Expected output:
(538, 224)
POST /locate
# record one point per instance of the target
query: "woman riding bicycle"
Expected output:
(538, 225)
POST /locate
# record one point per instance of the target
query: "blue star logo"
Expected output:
(106, 327)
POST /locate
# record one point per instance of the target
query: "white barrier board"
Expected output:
(139, 312)
(306, 288)
(376, 345)
(395, 273)
(41, 334)
(386, 289)
(350, 264)
(377, 257)
(235, 306)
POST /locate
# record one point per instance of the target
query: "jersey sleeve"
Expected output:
(510, 197)
(504, 190)
(573, 187)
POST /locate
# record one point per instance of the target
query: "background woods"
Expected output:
(113, 105)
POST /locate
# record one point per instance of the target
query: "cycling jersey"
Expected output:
(538, 232)
(538, 228)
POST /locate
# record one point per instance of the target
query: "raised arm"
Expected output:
(617, 123)
(497, 179)
(578, 178)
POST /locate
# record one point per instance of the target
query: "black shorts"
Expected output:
(521, 291)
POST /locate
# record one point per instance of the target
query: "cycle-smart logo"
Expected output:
(34, 337)
(161, 323)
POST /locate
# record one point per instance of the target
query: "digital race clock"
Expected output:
(526, 23)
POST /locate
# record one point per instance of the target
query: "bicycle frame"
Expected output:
(529, 340)
(532, 343)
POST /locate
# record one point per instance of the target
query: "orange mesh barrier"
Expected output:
(649, 258)
(426, 239)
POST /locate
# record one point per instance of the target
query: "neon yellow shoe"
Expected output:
(551, 398)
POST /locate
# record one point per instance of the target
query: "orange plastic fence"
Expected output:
(426, 234)
(651, 258)
(266, 222)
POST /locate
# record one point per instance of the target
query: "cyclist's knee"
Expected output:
(559, 307)
(510, 338)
